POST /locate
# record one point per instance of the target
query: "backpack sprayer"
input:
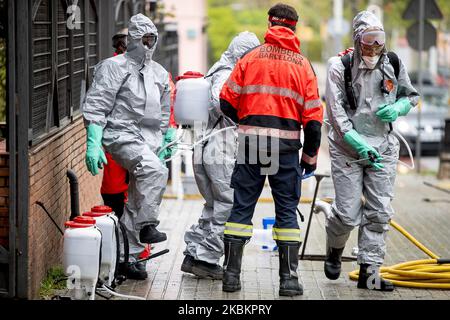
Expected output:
(192, 102)
(92, 254)
(92, 251)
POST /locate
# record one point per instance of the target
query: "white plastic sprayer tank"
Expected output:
(192, 99)
(107, 222)
(81, 256)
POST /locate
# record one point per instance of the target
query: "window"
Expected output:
(64, 55)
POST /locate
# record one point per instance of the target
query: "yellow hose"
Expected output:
(426, 274)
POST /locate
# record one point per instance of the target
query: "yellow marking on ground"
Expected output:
(261, 200)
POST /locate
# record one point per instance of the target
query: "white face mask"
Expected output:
(137, 49)
(371, 62)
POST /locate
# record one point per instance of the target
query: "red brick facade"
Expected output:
(49, 162)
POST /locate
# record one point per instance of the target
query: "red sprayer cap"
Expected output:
(98, 211)
(190, 75)
(80, 222)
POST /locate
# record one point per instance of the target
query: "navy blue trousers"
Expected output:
(248, 183)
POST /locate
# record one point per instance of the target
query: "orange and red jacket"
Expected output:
(273, 91)
(114, 177)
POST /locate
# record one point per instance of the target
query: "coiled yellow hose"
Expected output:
(426, 274)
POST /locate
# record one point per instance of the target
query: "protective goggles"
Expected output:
(373, 37)
(149, 39)
(368, 50)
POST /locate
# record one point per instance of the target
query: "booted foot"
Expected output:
(290, 287)
(288, 257)
(234, 248)
(131, 271)
(186, 266)
(332, 266)
(142, 266)
(231, 282)
(207, 270)
(369, 278)
(149, 234)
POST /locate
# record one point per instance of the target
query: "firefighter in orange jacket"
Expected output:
(272, 93)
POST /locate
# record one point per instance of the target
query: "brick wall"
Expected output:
(49, 162)
(4, 194)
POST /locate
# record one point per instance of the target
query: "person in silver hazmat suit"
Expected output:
(213, 165)
(126, 110)
(364, 132)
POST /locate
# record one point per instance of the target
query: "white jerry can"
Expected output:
(81, 256)
(192, 99)
(107, 222)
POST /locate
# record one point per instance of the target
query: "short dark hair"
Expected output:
(283, 11)
(119, 40)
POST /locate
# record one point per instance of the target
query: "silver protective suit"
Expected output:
(373, 213)
(130, 99)
(214, 161)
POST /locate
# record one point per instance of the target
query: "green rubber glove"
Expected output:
(363, 148)
(95, 157)
(390, 112)
(169, 137)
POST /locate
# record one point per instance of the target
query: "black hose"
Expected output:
(302, 218)
(436, 187)
(116, 268)
(74, 194)
(157, 254)
(126, 245)
(40, 204)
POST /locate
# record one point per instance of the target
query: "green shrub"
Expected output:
(54, 280)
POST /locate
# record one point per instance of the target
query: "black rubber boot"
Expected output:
(142, 266)
(186, 266)
(131, 271)
(234, 247)
(149, 234)
(203, 269)
(369, 278)
(288, 256)
(332, 265)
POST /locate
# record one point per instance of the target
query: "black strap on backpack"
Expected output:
(346, 61)
(348, 81)
(395, 61)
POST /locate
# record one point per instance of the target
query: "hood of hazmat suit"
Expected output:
(221, 70)
(360, 179)
(138, 26)
(214, 161)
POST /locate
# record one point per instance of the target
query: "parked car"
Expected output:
(435, 108)
(427, 78)
(443, 76)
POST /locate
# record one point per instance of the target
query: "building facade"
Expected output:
(52, 48)
(190, 18)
